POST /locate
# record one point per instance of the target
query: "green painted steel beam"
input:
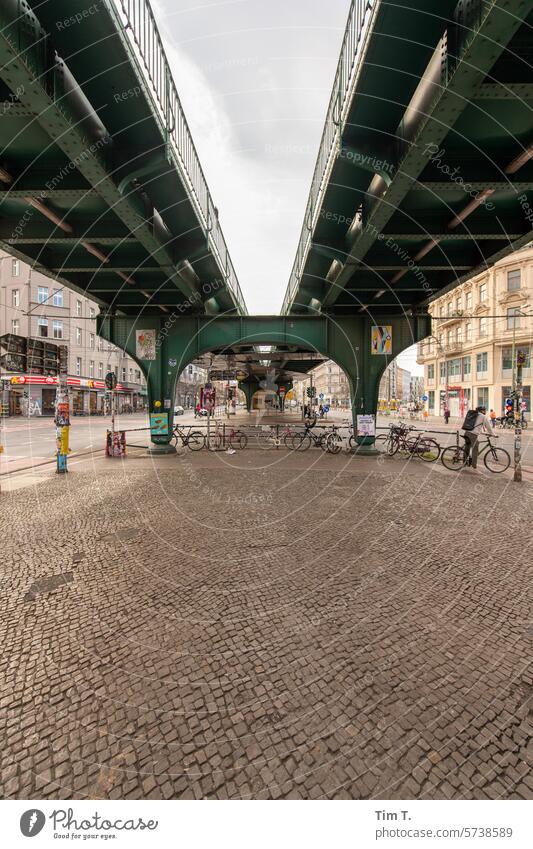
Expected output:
(60, 195)
(449, 186)
(452, 236)
(28, 74)
(504, 91)
(481, 50)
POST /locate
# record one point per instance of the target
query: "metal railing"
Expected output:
(140, 28)
(356, 29)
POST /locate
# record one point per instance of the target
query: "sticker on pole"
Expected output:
(145, 344)
(382, 339)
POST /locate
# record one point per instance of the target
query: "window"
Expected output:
(131, 375)
(57, 298)
(431, 372)
(79, 307)
(483, 396)
(42, 294)
(481, 363)
(100, 369)
(137, 375)
(458, 304)
(449, 337)
(460, 333)
(78, 366)
(482, 293)
(513, 280)
(513, 318)
(468, 301)
(98, 343)
(454, 368)
(15, 326)
(91, 341)
(15, 298)
(15, 268)
(91, 368)
(78, 336)
(450, 307)
(123, 375)
(466, 367)
(42, 325)
(483, 326)
(190, 369)
(507, 358)
(57, 329)
(442, 312)
(91, 312)
(431, 399)
(468, 331)
(443, 372)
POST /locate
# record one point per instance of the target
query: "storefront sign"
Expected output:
(159, 424)
(382, 339)
(366, 425)
(145, 345)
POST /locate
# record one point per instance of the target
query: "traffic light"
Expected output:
(311, 391)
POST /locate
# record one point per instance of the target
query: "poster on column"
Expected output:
(366, 425)
(382, 339)
(145, 345)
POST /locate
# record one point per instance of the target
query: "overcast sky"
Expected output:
(255, 78)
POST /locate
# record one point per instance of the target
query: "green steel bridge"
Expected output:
(423, 178)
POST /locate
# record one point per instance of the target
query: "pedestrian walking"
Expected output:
(446, 414)
(475, 423)
(321, 411)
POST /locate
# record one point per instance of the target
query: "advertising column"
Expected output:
(62, 422)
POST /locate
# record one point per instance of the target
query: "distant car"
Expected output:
(178, 410)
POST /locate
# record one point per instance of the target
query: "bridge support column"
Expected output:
(249, 387)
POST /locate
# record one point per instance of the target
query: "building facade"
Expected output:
(33, 306)
(331, 383)
(469, 359)
(395, 385)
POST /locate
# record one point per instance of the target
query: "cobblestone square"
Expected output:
(266, 625)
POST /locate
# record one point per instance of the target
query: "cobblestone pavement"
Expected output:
(265, 625)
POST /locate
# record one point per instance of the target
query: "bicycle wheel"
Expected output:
(426, 449)
(216, 443)
(352, 443)
(195, 440)
(287, 440)
(453, 458)
(496, 459)
(301, 442)
(392, 445)
(238, 440)
(333, 443)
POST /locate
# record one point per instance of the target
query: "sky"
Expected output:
(255, 79)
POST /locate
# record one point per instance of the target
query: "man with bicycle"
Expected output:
(475, 423)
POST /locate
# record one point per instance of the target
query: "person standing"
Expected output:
(475, 423)
(446, 414)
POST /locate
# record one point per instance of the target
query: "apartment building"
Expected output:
(469, 359)
(331, 383)
(36, 307)
(395, 385)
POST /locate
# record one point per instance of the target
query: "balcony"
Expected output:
(425, 351)
(453, 347)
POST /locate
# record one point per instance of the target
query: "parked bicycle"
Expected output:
(303, 439)
(193, 439)
(228, 437)
(496, 460)
(398, 439)
(272, 436)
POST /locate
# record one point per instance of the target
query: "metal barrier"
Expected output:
(140, 31)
